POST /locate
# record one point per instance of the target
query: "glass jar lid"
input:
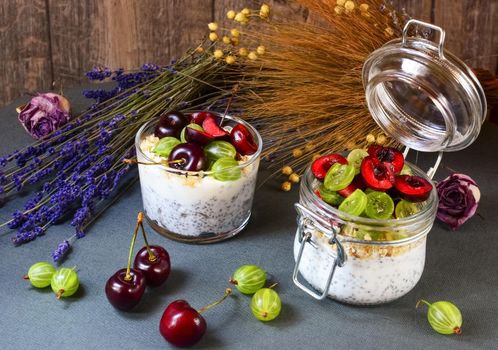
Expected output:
(422, 95)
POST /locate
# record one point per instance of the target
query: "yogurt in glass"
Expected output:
(194, 206)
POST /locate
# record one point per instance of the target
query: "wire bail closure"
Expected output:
(442, 34)
(432, 170)
(308, 222)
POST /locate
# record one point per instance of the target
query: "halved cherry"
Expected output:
(322, 164)
(413, 188)
(243, 141)
(357, 183)
(198, 117)
(212, 128)
(377, 175)
(388, 155)
(196, 136)
(345, 192)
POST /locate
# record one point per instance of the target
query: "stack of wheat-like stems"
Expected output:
(306, 92)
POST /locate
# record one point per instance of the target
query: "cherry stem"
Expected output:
(134, 161)
(140, 219)
(423, 302)
(228, 291)
(132, 245)
(235, 89)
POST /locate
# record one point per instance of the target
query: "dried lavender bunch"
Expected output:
(78, 167)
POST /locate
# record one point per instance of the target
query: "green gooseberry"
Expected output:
(40, 274)
(444, 317)
(65, 282)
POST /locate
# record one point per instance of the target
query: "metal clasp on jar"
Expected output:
(309, 223)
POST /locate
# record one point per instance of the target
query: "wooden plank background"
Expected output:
(45, 42)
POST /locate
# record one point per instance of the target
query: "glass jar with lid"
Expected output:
(428, 100)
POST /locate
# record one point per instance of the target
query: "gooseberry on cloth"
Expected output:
(458, 199)
(40, 274)
(44, 114)
(444, 317)
(266, 304)
(248, 279)
(65, 282)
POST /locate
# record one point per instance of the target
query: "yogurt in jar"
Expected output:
(384, 258)
(371, 274)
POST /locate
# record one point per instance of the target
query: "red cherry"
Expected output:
(242, 140)
(170, 124)
(181, 325)
(388, 155)
(196, 136)
(212, 128)
(322, 164)
(156, 271)
(198, 117)
(359, 183)
(413, 188)
(317, 192)
(193, 156)
(377, 175)
(125, 294)
(345, 192)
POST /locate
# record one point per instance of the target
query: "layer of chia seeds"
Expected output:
(194, 206)
(371, 280)
(173, 210)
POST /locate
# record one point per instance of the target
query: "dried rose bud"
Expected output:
(44, 114)
(458, 199)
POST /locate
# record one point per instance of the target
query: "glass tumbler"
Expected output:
(194, 207)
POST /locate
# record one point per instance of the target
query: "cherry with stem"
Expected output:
(152, 260)
(125, 288)
(182, 325)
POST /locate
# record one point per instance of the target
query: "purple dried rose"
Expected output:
(458, 199)
(44, 114)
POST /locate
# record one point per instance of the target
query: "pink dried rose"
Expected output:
(458, 199)
(44, 114)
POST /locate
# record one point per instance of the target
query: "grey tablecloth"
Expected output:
(461, 267)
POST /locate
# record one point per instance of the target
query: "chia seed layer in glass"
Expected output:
(371, 275)
(194, 206)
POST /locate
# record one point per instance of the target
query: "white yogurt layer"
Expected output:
(371, 274)
(192, 205)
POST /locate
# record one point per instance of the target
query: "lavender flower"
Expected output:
(125, 81)
(99, 73)
(44, 114)
(79, 165)
(61, 251)
(28, 235)
(458, 199)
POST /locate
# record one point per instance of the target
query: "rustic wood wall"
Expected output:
(45, 41)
